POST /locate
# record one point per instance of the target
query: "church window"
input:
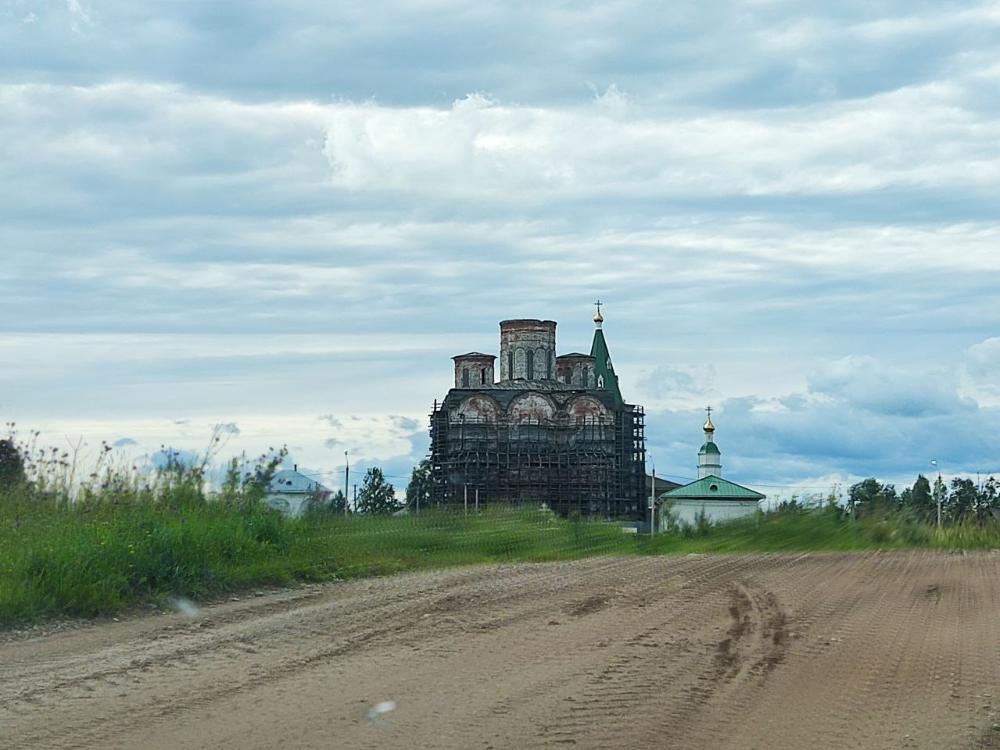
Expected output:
(586, 377)
(465, 377)
(600, 381)
(530, 364)
(482, 376)
(510, 365)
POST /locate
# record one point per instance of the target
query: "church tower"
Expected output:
(709, 457)
(607, 379)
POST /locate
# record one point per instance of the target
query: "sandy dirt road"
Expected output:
(756, 651)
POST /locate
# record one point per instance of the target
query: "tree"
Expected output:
(963, 501)
(338, 503)
(11, 464)
(920, 500)
(871, 496)
(989, 501)
(377, 496)
(418, 491)
(940, 495)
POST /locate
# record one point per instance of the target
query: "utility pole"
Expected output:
(355, 498)
(652, 499)
(466, 496)
(347, 479)
(937, 492)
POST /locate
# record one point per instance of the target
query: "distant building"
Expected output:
(290, 492)
(717, 498)
(537, 427)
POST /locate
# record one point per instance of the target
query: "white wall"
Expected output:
(686, 511)
(290, 504)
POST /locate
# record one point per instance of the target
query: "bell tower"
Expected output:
(709, 457)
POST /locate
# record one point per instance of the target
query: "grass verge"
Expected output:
(91, 559)
(86, 562)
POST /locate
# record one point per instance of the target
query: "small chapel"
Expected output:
(711, 496)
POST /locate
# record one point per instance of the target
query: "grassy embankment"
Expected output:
(96, 558)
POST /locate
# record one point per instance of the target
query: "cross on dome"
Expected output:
(599, 318)
(709, 427)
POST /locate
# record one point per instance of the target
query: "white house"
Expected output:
(717, 498)
(290, 491)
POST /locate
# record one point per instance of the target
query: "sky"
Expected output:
(285, 218)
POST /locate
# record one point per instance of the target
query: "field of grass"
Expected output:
(823, 530)
(86, 562)
(95, 558)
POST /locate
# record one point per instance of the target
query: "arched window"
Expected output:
(482, 376)
(465, 377)
(600, 381)
(510, 365)
(530, 364)
(586, 377)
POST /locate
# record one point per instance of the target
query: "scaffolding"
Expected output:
(594, 467)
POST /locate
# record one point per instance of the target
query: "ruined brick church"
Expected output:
(550, 429)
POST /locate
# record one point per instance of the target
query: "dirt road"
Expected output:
(810, 651)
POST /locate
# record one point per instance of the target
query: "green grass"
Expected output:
(823, 530)
(110, 553)
(98, 560)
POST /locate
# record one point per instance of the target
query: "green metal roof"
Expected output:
(603, 367)
(702, 490)
(710, 448)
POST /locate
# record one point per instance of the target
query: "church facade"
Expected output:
(534, 426)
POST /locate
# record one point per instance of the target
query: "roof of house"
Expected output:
(662, 485)
(713, 488)
(291, 482)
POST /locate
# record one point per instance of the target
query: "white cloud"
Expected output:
(482, 148)
(982, 372)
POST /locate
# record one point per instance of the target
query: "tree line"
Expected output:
(963, 501)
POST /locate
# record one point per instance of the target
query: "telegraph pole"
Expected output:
(937, 492)
(652, 500)
(347, 479)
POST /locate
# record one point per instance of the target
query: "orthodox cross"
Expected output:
(598, 303)
(709, 410)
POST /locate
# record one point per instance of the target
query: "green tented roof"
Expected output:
(702, 490)
(710, 448)
(603, 367)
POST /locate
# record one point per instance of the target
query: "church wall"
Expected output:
(479, 369)
(518, 338)
(717, 511)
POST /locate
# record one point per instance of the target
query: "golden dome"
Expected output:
(599, 318)
(709, 427)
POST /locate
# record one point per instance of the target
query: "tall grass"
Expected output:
(824, 529)
(96, 558)
(117, 547)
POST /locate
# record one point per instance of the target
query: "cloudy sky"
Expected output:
(286, 217)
